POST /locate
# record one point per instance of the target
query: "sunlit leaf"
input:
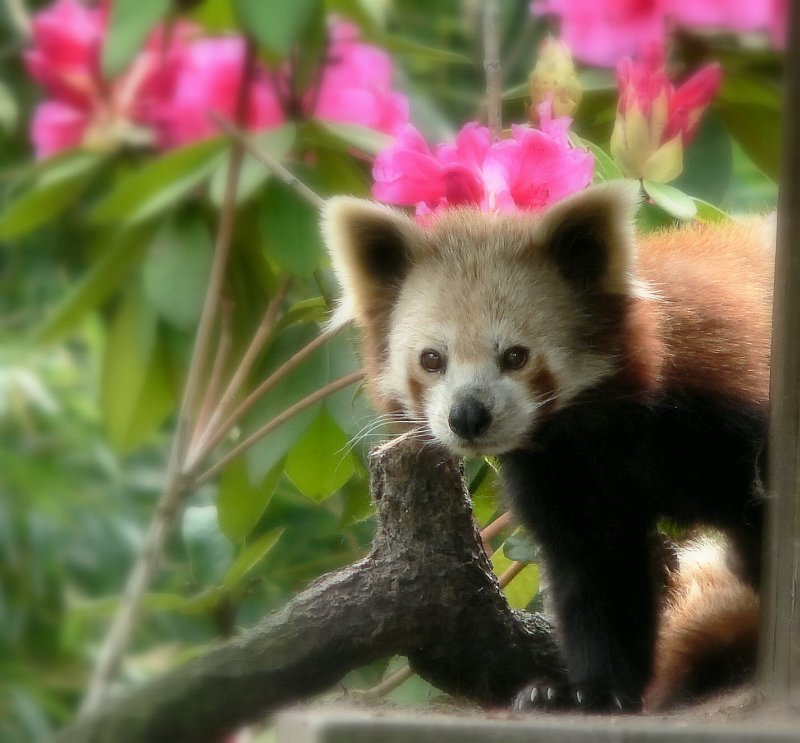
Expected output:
(209, 551)
(362, 138)
(521, 590)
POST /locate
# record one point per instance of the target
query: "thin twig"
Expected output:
(493, 529)
(494, 72)
(234, 386)
(511, 572)
(247, 404)
(281, 172)
(270, 426)
(176, 487)
(205, 415)
(390, 683)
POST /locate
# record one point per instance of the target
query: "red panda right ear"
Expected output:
(370, 247)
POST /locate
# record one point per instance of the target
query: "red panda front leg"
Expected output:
(597, 554)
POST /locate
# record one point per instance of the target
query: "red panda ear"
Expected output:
(370, 245)
(590, 236)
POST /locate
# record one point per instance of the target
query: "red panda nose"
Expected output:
(469, 418)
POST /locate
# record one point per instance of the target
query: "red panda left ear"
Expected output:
(371, 246)
(590, 236)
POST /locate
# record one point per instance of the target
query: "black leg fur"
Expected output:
(591, 488)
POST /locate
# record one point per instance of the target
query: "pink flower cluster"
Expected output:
(601, 32)
(529, 171)
(166, 93)
(655, 120)
(645, 85)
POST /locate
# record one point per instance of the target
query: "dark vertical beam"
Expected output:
(779, 661)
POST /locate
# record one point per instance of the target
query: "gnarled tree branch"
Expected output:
(425, 590)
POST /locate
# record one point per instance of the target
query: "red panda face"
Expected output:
(477, 326)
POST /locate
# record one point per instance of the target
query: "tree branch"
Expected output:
(426, 590)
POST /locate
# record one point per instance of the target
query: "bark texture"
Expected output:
(426, 591)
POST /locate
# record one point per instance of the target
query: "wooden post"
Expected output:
(779, 660)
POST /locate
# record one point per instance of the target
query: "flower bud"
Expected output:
(554, 78)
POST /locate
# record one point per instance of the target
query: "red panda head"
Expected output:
(475, 326)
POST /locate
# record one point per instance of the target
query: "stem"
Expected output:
(511, 572)
(215, 381)
(270, 426)
(494, 73)
(390, 683)
(281, 172)
(247, 404)
(263, 332)
(176, 487)
(493, 529)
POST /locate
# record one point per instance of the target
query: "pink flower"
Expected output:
(532, 170)
(82, 107)
(65, 57)
(601, 32)
(734, 15)
(206, 78)
(356, 85)
(655, 120)
(779, 19)
(57, 126)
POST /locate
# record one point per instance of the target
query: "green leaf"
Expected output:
(290, 230)
(9, 109)
(118, 260)
(709, 213)
(135, 396)
(520, 546)
(240, 504)
(362, 138)
(707, 162)
(276, 24)
(215, 16)
(276, 142)
(55, 189)
(130, 23)
(305, 379)
(253, 554)
(176, 271)
(671, 200)
(348, 407)
(520, 90)
(319, 463)
(522, 589)
(160, 184)
(758, 130)
(402, 45)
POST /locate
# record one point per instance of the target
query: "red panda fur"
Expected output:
(709, 629)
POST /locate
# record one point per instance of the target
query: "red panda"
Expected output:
(619, 379)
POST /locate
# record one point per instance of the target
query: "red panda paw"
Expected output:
(546, 696)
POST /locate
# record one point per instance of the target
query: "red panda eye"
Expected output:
(431, 360)
(514, 358)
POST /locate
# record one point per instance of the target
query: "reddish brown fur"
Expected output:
(708, 636)
(713, 308)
